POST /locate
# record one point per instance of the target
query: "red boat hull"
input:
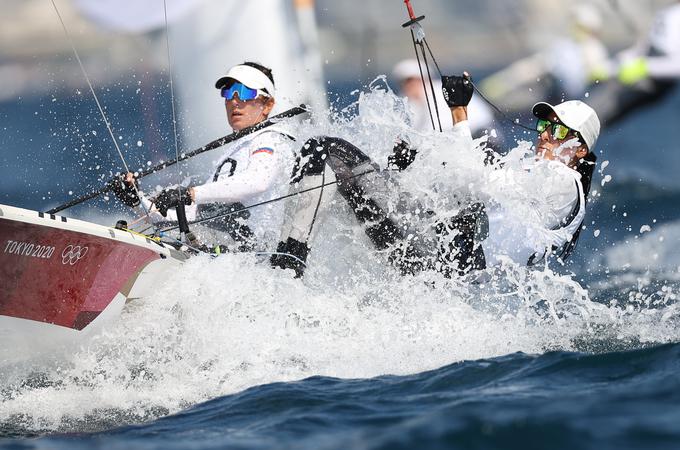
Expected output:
(64, 277)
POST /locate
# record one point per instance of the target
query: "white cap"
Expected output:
(249, 76)
(587, 16)
(408, 68)
(574, 114)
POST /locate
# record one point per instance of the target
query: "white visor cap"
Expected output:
(576, 115)
(249, 76)
(408, 68)
(588, 16)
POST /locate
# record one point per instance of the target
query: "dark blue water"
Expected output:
(606, 397)
(557, 400)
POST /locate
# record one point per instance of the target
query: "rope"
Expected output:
(504, 116)
(94, 94)
(433, 58)
(422, 78)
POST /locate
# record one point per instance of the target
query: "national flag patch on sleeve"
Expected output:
(267, 150)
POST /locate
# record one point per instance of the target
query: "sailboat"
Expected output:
(62, 279)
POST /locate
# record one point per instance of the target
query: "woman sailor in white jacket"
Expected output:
(562, 172)
(451, 244)
(253, 169)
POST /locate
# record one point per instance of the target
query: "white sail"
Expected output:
(208, 36)
(219, 34)
(134, 16)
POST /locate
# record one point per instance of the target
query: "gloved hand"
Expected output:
(171, 198)
(402, 156)
(633, 71)
(125, 191)
(457, 90)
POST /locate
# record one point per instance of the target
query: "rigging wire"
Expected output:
(172, 94)
(418, 38)
(96, 99)
(422, 78)
(429, 76)
(277, 199)
(89, 83)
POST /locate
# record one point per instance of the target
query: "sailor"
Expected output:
(255, 168)
(647, 72)
(563, 169)
(564, 66)
(470, 239)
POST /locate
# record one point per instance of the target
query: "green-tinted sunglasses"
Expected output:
(559, 131)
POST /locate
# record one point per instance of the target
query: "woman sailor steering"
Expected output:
(253, 169)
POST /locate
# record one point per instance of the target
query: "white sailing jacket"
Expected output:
(558, 213)
(555, 212)
(253, 169)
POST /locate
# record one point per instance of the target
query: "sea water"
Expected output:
(232, 354)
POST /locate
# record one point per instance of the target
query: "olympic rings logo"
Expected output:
(72, 254)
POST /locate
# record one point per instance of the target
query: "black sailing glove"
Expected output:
(457, 90)
(126, 192)
(171, 198)
(402, 156)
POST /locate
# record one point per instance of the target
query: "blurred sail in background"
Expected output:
(209, 36)
(133, 16)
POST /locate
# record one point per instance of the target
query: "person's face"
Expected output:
(245, 113)
(568, 150)
(413, 88)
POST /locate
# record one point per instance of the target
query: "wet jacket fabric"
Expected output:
(538, 221)
(251, 170)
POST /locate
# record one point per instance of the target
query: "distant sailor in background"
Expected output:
(563, 167)
(253, 169)
(407, 75)
(563, 67)
(647, 72)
